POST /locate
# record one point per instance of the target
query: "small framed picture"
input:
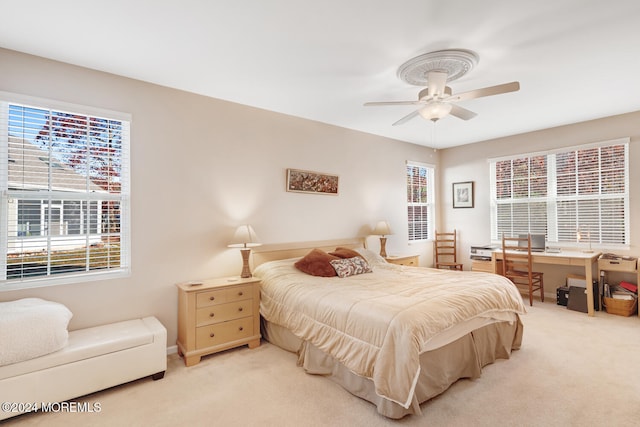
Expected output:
(463, 194)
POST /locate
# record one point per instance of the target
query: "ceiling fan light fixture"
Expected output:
(435, 110)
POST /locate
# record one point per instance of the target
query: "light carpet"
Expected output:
(572, 370)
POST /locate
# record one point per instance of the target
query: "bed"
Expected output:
(394, 335)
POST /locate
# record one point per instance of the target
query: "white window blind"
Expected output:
(64, 178)
(420, 201)
(573, 196)
(521, 195)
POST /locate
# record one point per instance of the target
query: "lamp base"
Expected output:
(246, 271)
(383, 244)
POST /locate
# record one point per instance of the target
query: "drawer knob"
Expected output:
(240, 293)
(241, 328)
(211, 314)
(212, 335)
(240, 309)
(212, 298)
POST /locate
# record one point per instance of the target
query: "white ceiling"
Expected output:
(575, 60)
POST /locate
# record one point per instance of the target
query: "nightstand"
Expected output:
(411, 260)
(217, 314)
(486, 266)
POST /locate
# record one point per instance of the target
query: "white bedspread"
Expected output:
(30, 328)
(377, 324)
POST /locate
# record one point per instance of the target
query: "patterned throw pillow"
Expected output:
(350, 266)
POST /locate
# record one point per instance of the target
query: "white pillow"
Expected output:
(30, 328)
(371, 257)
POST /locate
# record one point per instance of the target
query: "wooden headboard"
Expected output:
(274, 252)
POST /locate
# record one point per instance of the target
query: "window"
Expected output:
(420, 205)
(64, 183)
(571, 196)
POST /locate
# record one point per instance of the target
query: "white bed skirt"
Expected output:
(463, 357)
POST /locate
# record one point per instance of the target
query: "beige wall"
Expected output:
(469, 163)
(202, 166)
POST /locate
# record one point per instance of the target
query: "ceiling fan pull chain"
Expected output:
(433, 135)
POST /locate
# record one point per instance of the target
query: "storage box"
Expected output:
(577, 298)
(575, 280)
(562, 295)
(617, 264)
(621, 307)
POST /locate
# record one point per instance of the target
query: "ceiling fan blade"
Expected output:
(436, 83)
(461, 113)
(487, 91)
(406, 118)
(377, 103)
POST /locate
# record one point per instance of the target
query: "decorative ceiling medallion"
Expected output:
(455, 62)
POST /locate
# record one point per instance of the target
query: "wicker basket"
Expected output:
(621, 307)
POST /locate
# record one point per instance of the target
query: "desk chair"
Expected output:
(517, 267)
(444, 251)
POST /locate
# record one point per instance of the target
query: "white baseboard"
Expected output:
(172, 350)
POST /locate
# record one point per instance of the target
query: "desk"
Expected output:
(584, 259)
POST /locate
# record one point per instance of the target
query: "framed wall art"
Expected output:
(463, 194)
(301, 181)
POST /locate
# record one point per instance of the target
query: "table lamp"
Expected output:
(579, 235)
(382, 229)
(245, 239)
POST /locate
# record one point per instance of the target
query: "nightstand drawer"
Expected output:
(222, 333)
(409, 260)
(223, 312)
(238, 293)
(221, 296)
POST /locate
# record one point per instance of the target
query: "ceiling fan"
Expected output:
(437, 100)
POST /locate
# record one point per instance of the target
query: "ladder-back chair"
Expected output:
(445, 251)
(517, 265)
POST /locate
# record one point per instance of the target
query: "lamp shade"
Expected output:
(382, 229)
(244, 237)
(435, 110)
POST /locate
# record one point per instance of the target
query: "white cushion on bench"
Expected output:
(30, 328)
(85, 344)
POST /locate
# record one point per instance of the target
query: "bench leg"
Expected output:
(158, 376)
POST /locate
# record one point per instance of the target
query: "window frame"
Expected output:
(429, 204)
(553, 199)
(122, 198)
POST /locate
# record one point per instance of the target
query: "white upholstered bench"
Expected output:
(94, 359)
